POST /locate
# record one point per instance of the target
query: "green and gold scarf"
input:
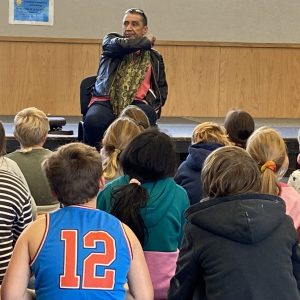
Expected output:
(128, 79)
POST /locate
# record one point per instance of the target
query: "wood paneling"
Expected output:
(192, 74)
(205, 79)
(45, 75)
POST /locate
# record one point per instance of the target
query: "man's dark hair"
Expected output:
(139, 12)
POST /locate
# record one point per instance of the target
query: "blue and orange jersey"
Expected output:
(85, 254)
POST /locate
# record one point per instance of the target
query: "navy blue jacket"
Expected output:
(188, 174)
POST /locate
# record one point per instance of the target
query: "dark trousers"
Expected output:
(100, 115)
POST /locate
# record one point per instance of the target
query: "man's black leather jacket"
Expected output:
(114, 48)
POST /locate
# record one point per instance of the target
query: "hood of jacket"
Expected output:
(247, 219)
(198, 153)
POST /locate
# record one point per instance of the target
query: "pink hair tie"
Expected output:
(270, 164)
(134, 181)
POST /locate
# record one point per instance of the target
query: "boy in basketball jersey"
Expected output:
(77, 252)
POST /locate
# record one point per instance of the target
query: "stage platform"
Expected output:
(179, 128)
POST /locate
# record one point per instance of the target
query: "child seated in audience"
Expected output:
(137, 115)
(16, 204)
(116, 138)
(9, 165)
(149, 201)
(238, 243)
(31, 128)
(268, 149)
(239, 126)
(77, 252)
(206, 137)
(294, 179)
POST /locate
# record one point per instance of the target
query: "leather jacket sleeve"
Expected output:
(162, 81)
(115, 45)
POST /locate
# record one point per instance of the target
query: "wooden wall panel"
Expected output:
(290, 105)
(45, 75)
(205, 79)
(192, 74)
(251, 79)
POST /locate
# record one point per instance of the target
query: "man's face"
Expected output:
(133, 26)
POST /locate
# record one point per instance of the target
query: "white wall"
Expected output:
(261, 21)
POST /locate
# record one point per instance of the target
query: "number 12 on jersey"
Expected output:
(70, 279)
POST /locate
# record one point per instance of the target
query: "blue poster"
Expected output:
(34, 12)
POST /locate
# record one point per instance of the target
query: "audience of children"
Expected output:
(149, 201)
(206, 137)
(137, 115)
(239, 126)
(238, 243)
(116, 138)
(268, 149)
(31, 127)
(232, 240)
(77, 252)
(9, 165)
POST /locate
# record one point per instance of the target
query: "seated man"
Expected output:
(77, 252)
(130, 72)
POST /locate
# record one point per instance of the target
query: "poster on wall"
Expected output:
(32, 12)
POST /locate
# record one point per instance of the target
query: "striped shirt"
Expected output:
(15, 215)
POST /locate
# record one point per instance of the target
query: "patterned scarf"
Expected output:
(128, 79)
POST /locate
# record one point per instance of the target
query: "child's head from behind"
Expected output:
(73, 172)
(239, 126)
(149, 157)
(137, 115)
(268, 149)
(116, 138)
(229, 171)
(209, 132)
(31, 127)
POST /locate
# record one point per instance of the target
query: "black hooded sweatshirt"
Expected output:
(242, 247)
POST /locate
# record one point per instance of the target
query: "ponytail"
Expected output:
(127, 202)
(111, 165)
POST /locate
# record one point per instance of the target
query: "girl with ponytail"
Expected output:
(268, 149)
(115, 139)
(149, 201)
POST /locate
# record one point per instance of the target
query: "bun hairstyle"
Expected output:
(137, 115)
(239, 126)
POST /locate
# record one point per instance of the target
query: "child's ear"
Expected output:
(101, 183)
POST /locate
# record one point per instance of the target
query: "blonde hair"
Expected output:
(116, 138)
(31, 127)
(137, 115)
(209, 132)
(229, 171)
(266, 145)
